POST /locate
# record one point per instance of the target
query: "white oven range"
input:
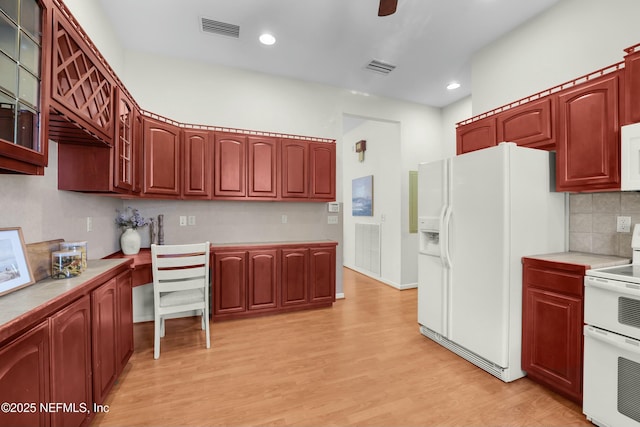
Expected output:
(611, 383)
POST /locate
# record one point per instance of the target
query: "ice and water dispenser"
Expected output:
(429, 235)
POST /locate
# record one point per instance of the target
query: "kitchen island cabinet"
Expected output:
(56, 338)
(552, 318)
(265, 278)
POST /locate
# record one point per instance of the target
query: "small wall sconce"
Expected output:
(361, 147)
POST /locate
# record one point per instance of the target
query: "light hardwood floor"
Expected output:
(362, 362)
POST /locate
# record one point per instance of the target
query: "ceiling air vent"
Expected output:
(380, 67)
(220, 28)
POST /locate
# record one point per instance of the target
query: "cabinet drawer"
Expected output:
(556, 280)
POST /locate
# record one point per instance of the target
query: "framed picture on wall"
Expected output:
(362, 196)
(15, 271)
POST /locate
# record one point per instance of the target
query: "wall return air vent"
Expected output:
(221, 28)
(380, 67)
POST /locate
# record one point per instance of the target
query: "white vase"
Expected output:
(130, 241)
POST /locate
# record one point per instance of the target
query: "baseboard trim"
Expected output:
(395, 285)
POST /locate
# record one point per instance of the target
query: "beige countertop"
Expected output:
(280, 243)
(583, 258)
(44, 296)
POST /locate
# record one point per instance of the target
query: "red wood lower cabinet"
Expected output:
(71, 362)
(71, 358)
(263, 279)
(24, 378)
(229, 278)
(552, 319)
(272, 278)
(104, 331)
(295, 272)
(125, 319)
(112, 332)
(322, 275)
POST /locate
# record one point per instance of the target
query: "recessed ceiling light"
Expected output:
(453, 85)
(267, 39)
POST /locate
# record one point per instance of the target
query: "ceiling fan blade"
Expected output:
(387, 7)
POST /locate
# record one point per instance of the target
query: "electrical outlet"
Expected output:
(332, 219)
(284, 219)
(623, 224)
(191, 220)
(183, 220)
(89, 223)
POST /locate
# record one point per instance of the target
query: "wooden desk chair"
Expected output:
(180, 284)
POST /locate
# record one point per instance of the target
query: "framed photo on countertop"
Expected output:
(15, 271)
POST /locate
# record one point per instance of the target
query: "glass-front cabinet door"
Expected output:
(23, 29)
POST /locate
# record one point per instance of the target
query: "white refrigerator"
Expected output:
(479, 214)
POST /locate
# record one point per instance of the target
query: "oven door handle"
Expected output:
(613, 286)
(610, 338)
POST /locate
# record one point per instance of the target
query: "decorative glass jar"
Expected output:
(77, 247)
(65, 264)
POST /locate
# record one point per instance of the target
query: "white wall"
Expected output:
(573, 38)
(234, 98)
(200, 93)
(44, 213)
(382, 160)
(91, 16)
(452, 114)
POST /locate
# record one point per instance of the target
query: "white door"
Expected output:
(432, 274)
(478, 300)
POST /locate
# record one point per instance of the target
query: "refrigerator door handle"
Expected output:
(444, 233)
(442, 239)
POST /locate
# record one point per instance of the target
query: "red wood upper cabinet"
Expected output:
(24, 101)
(262, 166)
(588, 147)
(322, 159)
(125, 144)
(476, 135)
(82, 90)
(197, 154)
(138, 156)
(162, 162)
(632, 86)
(24, 377)
(294, 172)
(230, 165)
(530, 124)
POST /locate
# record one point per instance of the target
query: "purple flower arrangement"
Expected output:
(130, 218)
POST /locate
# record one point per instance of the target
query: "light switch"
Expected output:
(183, 220)
(191, 220)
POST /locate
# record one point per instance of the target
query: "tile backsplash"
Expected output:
(592, 222)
